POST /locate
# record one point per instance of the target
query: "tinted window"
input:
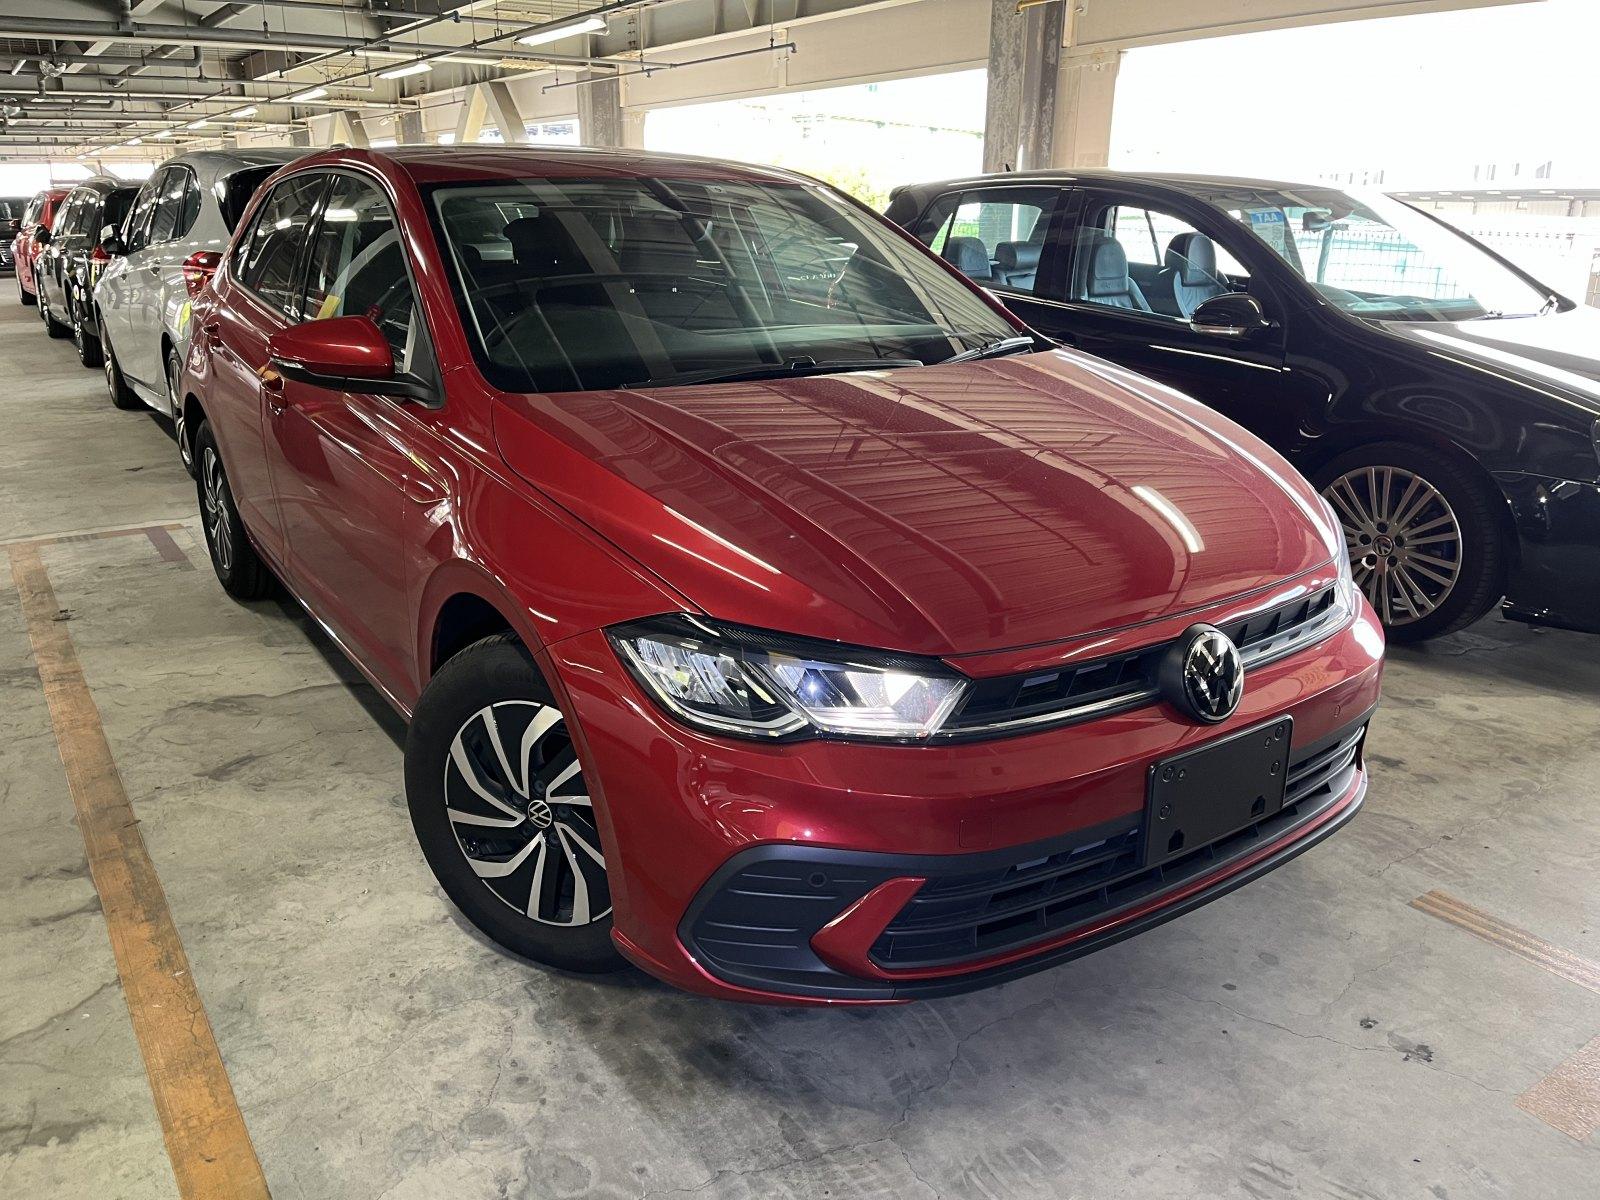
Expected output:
(190, 208)
(1145, 259)
(139, 219)
(165, 225)
(31, 216)
(598, 283)
(995, 236)
(234, 192)
(268, 258)
(357, 267)
(65, 214)
(115, 210)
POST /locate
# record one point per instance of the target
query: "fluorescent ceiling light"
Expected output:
(249, 111)
(311, 94)
(416, 68)
(135, 141)
(162, 133)
(200, 124)
(590, 25)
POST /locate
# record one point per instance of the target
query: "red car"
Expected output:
(25, 247)
(768, 605)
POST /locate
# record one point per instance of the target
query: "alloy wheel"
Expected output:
(185, 451)
(213, 497)
(1405, 541)
(521, 814)
(108, 361)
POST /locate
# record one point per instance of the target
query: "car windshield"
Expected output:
(585, 284)
(1375, 257)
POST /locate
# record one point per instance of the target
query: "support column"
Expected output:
(469, 121)
(1024, 62)
(600, 120)
(507, 116)
(354, 131)
(410, 128)
(1086, 92)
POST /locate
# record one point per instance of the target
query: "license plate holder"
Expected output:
(1205, 794)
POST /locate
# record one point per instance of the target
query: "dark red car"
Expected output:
(25, 247)
(768, 605)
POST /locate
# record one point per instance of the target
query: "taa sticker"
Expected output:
(183, 316)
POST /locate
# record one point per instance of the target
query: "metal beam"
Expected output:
(507, 118)
(136, 32)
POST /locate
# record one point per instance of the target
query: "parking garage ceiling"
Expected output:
(104, 78)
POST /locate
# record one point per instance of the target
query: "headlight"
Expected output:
(750, 683)
(1346, 569)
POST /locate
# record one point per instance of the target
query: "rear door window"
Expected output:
(138, 228)
(994, 236)
(268, 259)
(164, 226)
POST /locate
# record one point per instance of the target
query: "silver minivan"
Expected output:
(165, 252)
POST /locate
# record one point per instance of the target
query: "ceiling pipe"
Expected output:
(138, 32)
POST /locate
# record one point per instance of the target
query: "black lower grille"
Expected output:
(967, 916)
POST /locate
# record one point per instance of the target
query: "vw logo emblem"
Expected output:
(1203, 674)
(539, 814)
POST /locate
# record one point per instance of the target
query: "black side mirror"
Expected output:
(111, 242)
(41, 235)
(1233, 315)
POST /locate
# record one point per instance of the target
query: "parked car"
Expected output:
(72, 258)
(769, 608)
(40, 213)
(1442, 399)
(161, 257)
(11, 210)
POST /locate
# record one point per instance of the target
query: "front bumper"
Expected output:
(778, 873)
(1557, 574)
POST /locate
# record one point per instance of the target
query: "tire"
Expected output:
(122, 396)
(89, 353)
(1431, 550)
(52, 326)
(23, 294)
(491, 853)
(239, 568)
(175, 402)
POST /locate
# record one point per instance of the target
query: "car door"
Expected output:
(1004, 238)
(162, 289)
(118, 290)
(49, 272)
(1140, 320)
(257, 293)
(338, 459)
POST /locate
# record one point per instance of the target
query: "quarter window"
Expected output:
(164, 226)
(268, 258)
(995, 237)
(357, 267)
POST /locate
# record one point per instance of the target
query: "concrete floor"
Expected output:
(1311, 1035)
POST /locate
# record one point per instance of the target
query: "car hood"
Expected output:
(1556, 354)
(942, 510)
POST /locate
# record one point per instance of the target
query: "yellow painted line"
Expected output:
(1552, 958)
(1568, 1098)
(207, 1142)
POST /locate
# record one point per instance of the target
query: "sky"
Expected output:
(1423, 98)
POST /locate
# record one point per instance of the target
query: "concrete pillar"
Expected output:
(600, 120)
(351, 129)
(507, 116)
(1086, 91)
(469, 121)
(1024, 64)
(410, 128)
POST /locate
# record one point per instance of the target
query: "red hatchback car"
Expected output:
(768, 605)
(25, 247)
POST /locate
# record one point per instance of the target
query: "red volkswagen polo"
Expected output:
(769, 607)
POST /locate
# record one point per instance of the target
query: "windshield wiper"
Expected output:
(793, 367)
(1011, 345)
(1551, 304)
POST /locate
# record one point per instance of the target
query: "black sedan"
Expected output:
(70, 264)
(1445, 402)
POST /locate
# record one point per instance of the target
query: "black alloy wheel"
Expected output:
(88, 348)
(502, 812)
(175, 403)
(240, 570)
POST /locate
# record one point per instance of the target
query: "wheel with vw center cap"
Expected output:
(502, 812)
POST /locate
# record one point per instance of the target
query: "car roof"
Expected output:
(448, 164)
(1194, 185)
(211, 165)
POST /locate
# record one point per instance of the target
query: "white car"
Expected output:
(166, 251)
